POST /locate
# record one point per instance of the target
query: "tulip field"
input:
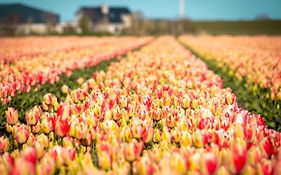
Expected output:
(250, 65)
(140, 105)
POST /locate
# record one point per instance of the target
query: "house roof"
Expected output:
(20, 13)
(96, 15)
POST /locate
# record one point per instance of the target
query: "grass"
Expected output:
(268, 27)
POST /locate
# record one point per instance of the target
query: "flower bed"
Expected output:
(251, 93)
(27, 72)
(257, 58)
(158, 111)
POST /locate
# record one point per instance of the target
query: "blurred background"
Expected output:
(135, 17)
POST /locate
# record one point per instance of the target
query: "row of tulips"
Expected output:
(13, 49)
(29, 72)
(158, 111)
(257, 57)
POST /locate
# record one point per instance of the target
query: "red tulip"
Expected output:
(265, 167)
(267, 147)
(62, 127)
(236, 159)
(209, 163)
(147, 134)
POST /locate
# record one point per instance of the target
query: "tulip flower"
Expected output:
(198, 139)
(267, 146)
(236, 157)
(65, 89)
(12, 116)
(147, 134)
(4, 144)
(178, 164)
(144, 166)
(32, 117)
(47, 125)
(209, 163)
(62, 127)
(264, 167)
(21, 133)
(132, 150)
(43, 140)
(105, 161)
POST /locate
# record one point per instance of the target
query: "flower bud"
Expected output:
(33, 115)
(157, 136)
(175, 136)
(156, 115)
(267, 147)
(195, 104)
(46, 126)
(186, 102)
(147, 134)
(238, 131)
(236, 157)
(186, 139)
(178, 163)
(248, 170)
(137, 131)
(65, 89)
(197, 139)
(43, 140)
(81, 132)
(61, 127)
(47, 99)
(105, 160)
(264, 167)
(209, 163)
(230, 99)
(115, 114)
(144, 166)
(36, 128)
(4, 144)
(11, 116)
(132, 150)
(222, 171)
(80, 80)
(21, 133)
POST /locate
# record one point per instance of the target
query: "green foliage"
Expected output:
(268, 27)
(85, 24)
(249, 96)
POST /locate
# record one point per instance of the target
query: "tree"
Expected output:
(85, 24)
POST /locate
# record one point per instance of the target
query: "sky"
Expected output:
(168, 9)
